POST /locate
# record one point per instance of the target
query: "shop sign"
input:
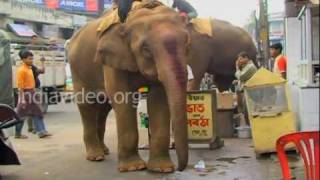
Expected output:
(200, 116)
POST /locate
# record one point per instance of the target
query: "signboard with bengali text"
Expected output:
(200, 115)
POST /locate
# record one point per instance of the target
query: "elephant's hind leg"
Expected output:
(89, 113)
(158, 111)
(103, 112)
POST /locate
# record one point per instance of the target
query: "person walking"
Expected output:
(27, 103)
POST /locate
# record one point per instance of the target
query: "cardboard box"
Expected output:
(225, 101)
(225, 124)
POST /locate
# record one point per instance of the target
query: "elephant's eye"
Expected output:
(146, 51)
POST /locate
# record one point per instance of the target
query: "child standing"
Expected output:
(28, 98)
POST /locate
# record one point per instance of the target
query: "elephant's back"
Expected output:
(229, 41)
(232, 34)
(81, 55)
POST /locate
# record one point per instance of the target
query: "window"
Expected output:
(309, 65)
(303, 37)
(276, 28)
(315, 34)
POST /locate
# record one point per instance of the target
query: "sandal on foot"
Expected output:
(21, 137)
(44, 135)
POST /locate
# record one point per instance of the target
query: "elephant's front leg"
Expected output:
(120, 94)
(158, 111)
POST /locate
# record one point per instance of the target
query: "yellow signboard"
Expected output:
(200, 116)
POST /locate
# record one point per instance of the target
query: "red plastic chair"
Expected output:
(307, 144)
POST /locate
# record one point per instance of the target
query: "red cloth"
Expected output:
(282, 64)
(183, 14)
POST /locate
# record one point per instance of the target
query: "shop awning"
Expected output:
(315, 2)
(21, 30)
(304, 2)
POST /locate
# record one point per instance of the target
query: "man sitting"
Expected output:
(245, 70)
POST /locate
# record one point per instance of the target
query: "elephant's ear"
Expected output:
(113, 49)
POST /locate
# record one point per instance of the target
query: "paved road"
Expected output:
(62, 156)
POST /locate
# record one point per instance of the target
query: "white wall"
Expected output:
(293, 48)
(309, 109)
(305, 100)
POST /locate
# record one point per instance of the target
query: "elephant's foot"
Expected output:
(161, 164)
(106, 149)
(134, 163)
(95, 155)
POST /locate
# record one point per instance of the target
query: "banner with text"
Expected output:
(68, 5)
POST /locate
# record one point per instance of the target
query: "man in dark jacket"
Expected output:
(184, 7)
(124, 8)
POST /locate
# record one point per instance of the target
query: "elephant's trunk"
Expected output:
(174, 79)
(176, 94)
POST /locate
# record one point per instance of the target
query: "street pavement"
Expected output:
(62, 157)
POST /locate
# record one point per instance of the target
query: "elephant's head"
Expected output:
(154, 43)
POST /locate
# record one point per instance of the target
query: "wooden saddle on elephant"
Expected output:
(203, 26)
(112, 18)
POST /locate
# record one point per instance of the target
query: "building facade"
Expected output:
(46, 18)
(276, 28)
(302, 50)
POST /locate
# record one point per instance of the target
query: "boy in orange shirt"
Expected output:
(28, 99)
(280, 61)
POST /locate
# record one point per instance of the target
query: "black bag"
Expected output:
(8, 118)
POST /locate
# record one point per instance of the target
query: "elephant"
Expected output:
(150, 49)
(217, 54)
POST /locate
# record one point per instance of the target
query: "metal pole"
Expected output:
(264, 32)
(100, 7)
(257, 38)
